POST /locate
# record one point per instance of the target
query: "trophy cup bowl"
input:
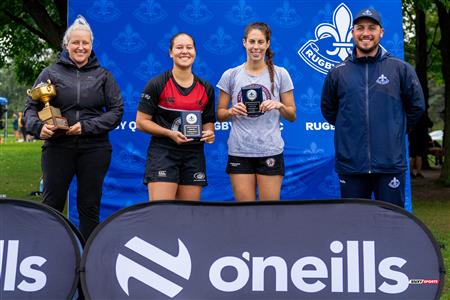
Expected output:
(44, 92)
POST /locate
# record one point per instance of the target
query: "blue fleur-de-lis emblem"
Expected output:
(332, 42)
(310, 102)
(395, 45)
(148, 68)
(196, 13)
(111, 65)
(150, 12)
(164, 43)
(131, 97)
(286, 16)
(219, 156)
(241, 13)
(220, 43)
(295, 73)
(202, 69)
(128, 41)
(330, 185)
(130, 158)
(103, 11)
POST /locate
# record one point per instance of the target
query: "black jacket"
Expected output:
(373, 102)
(88, 95)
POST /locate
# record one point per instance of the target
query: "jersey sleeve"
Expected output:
(208, 115)
(286, 83)
(150, 96)
(224, 82)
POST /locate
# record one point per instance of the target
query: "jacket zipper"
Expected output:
(77, 114)
(369, 154)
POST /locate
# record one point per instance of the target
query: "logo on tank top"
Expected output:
(394, 183)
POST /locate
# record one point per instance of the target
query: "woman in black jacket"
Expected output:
(90, 100)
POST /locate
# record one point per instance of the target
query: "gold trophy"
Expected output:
(50, 115)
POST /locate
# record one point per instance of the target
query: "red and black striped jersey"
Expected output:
(163, 98)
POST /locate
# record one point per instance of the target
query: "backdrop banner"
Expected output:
(308, 38)
(270, 250)
(40, 252)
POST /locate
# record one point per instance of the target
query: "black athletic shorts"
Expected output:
(269, 165)
(182, 166)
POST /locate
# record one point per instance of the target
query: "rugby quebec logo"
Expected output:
(127, 268)
(332, 43)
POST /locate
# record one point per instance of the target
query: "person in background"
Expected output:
(90, 99)
(176, 166)
(17, 131)
(255, 145)
(373, 99)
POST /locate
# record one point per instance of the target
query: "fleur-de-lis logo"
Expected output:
(286, 16)
(103, 11)
(202, 69)
(310, 102)
(110, 65)
(196, 13)
(220, 43)
(129, 41)
(332, 42)
(148, 68)
(131, 97)
(150, 12)
(241, 13)
(165, 42)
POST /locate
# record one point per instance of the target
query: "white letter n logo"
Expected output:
(180, 265)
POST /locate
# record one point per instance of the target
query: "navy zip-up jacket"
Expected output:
(88, 95)
(372, 102)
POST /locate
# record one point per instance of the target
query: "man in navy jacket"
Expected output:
(373, 99)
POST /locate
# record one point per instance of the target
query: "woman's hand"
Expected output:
(208, 136)
(268, 105)
(178, 137)
(238, 109)
(75, 129)
(47, 131)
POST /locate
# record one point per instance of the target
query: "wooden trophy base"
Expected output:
(52, 116)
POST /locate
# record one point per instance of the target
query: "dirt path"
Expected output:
(429, 187)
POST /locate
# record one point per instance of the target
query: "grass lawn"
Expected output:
(20, 173)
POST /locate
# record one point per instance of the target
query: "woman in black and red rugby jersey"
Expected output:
(176, 167)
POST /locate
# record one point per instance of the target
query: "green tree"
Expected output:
(12, 90)
(30, 32)
(443, 10)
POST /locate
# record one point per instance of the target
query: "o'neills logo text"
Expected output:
(308, 273)
(28, 267)
(127, 268)
(332, 43)
(351, 268)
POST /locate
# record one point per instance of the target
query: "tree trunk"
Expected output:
(51, 31)
(444, 47)
(421, 59)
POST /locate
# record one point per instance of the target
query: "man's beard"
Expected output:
(366, 50)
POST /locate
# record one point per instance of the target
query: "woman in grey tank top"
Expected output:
(255, 95)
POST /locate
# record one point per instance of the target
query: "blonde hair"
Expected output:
(80, 23)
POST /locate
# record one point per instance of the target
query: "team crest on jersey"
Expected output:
(332, 43)
(270, 162)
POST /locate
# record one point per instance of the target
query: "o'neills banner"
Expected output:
(289, 250)
(39, 252)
